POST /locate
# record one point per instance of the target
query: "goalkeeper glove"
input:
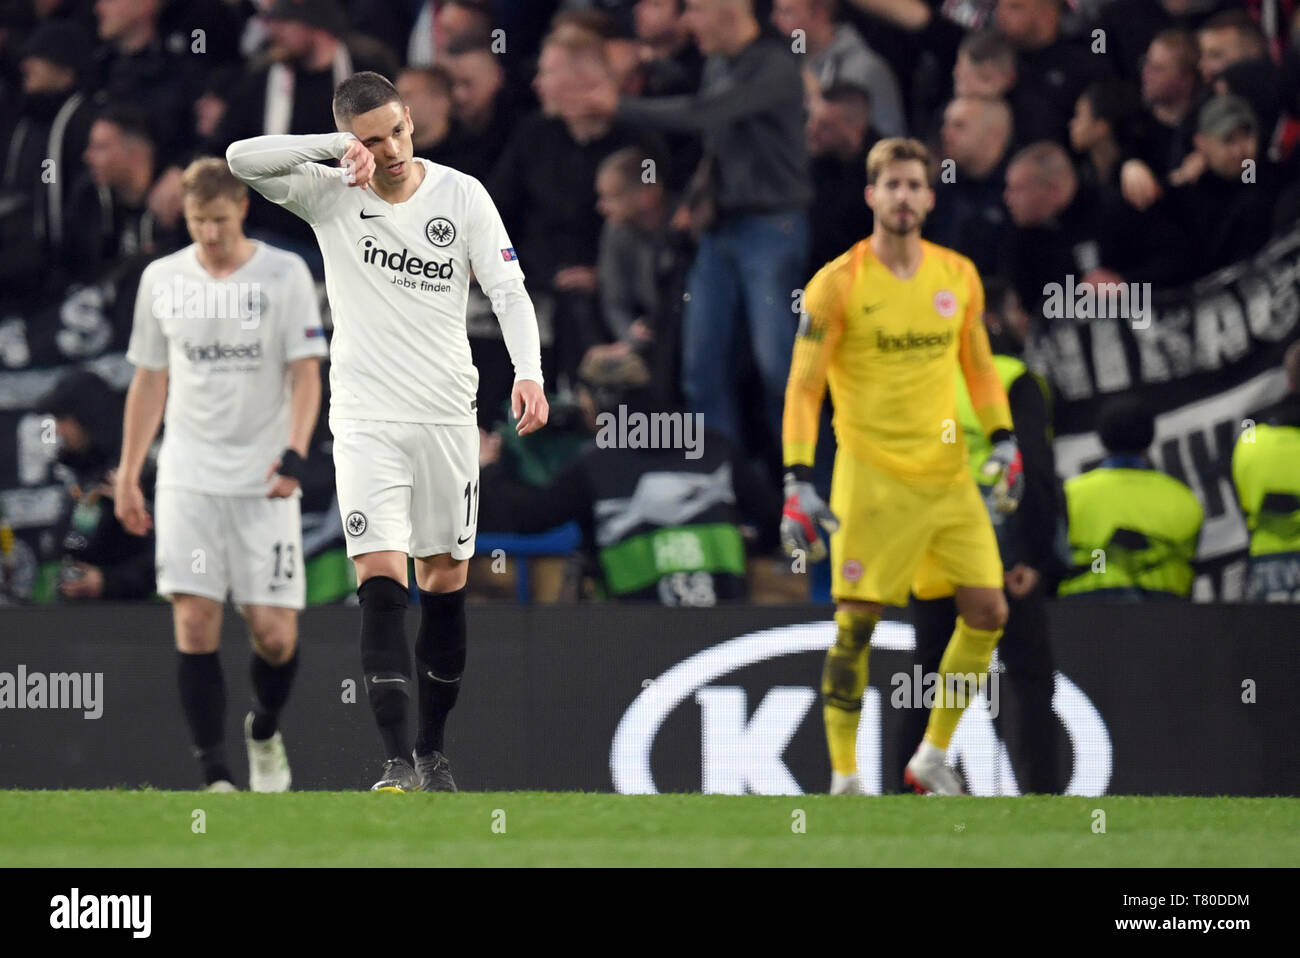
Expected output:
(1004, 471)
(804, 511)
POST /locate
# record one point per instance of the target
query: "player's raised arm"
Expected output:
(287, 169)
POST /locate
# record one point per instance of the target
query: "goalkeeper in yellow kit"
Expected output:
(889, 325)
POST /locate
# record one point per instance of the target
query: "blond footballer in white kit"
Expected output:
(228, 335)
(400, 237)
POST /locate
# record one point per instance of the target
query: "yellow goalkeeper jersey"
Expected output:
(890, 349)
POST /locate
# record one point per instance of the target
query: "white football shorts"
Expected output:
(244, 546)
(407, 487)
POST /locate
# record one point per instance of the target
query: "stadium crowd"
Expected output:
(672, 172)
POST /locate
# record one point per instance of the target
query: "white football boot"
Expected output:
(268, 765)
(849, 784)
(928, 773)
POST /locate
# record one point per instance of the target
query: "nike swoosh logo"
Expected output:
(277, 588)
(369, 216)
(872, 308)
(437, 679)
(461, 542)
(377, 681)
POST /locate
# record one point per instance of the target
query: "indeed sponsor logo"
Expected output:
(403, 261)
(212, 352)
(888, 343)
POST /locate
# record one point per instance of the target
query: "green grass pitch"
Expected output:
(160, 828)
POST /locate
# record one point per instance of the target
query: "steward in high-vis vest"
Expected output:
(1266, 472)
(1133, 529)
(660, 501)
(1032, 543)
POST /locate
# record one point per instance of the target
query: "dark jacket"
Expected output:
(750, 113)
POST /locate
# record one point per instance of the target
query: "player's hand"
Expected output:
(804, 511)
(1004, 471)
(1021, 580)
(128, 506)
(287, 480)
(576, 278)
(358, 165)
(528, 398)
(283, 487)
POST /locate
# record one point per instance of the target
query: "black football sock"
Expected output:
(386, 660)
(203, 700)
(440, 657)
(271, 684)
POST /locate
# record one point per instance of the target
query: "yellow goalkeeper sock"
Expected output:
(964, 661)
(844, 678)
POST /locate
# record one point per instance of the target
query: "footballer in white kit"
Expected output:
(226, 334)
(400, 237)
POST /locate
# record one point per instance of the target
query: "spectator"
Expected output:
(545, 188)
(641, 266)
(1170, 87)
(621, 48)
(1227, 209)
(754, 235)
(1133, 529)
(671, 63)
(292, 93)
(482, 104)
(1130, 26)
(100, 559)
(969, 215)
(1046, 60)
(1266, 472)
(837, 55)
(426, 91)
(839, 136)
(133, 66)
(1109, 125)
(1064, 234)
(986, 68)
(660, 524)
(53, 125)
(1227, 38)
(108, 217)
(439, 23)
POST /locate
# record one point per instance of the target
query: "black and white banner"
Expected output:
(1204, 359)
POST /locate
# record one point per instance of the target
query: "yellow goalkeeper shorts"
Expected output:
(894, 532)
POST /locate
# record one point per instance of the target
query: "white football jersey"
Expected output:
(226, 345)
(398, 278)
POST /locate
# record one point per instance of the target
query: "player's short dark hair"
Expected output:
(896, 149)
(133, 121)
(988, 46)
(1126, 426)
(361, 93)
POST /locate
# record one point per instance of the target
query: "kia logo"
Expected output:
(741, 754)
